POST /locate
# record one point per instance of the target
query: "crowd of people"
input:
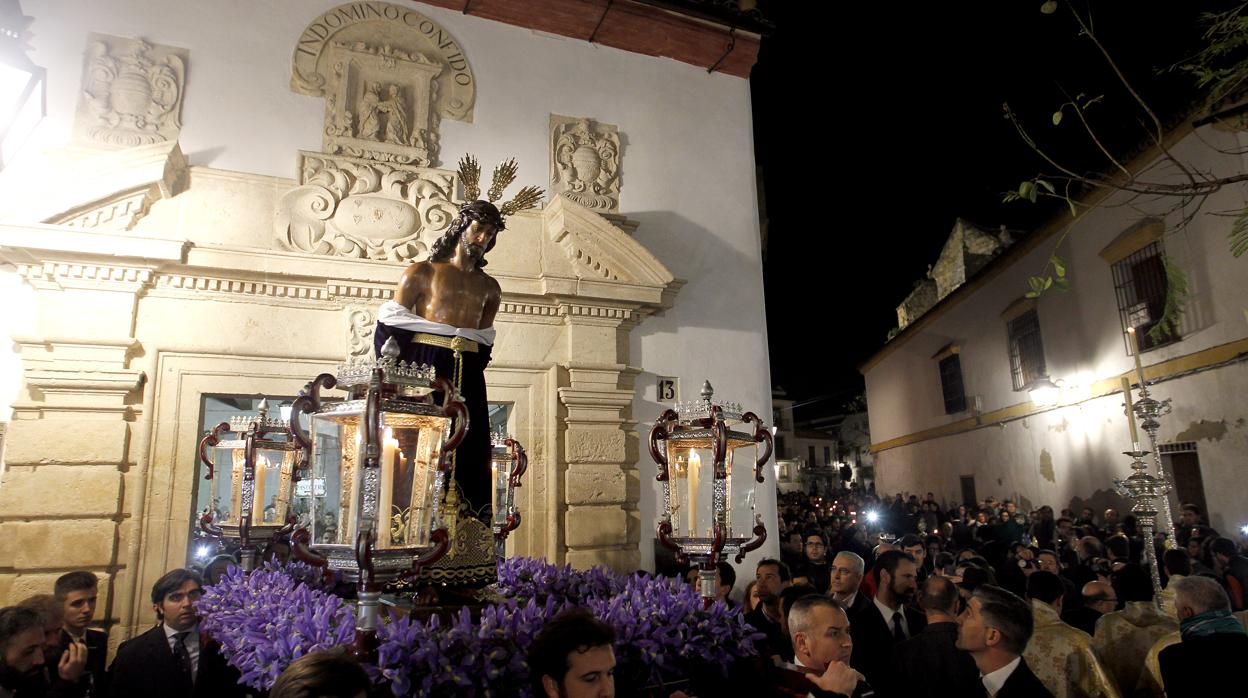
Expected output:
(871, 596)
(987, 599)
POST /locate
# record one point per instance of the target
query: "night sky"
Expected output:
(876, 126)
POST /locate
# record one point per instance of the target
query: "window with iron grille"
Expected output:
(1140, 285)
(1026, 350)
(951, 384)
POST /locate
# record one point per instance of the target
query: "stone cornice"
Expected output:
(609, 279)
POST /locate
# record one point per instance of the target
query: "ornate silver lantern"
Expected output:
(383, 453)
(508, 464)
(251, 503)
(706, 512)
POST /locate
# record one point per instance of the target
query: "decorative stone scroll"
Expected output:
(585, 162)
(388, 75)
(131, 93)
(360, 322)
(348, 207)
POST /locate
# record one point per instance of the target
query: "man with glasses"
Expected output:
(173, 659)
(815, 568)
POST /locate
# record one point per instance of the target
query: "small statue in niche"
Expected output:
(383, 120)
(396, 117)
(370, 118)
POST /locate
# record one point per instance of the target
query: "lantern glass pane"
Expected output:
(693, 487)
(272, 494)
(411, 453)
(500, 471)
(335, 446)
(226, 486)
(692, 479)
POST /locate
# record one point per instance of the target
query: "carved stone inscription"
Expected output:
(131, 92)
(585, 162)
(389, 75)
(348, 207)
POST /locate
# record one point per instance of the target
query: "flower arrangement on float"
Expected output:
(275, 615)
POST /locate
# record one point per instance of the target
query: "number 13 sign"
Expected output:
(669, 389)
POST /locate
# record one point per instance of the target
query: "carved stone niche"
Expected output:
(378, 104)
(351, 207)
(131, 93)
(388, 75)
(585, 162)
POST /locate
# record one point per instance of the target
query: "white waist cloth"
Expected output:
(392, 313)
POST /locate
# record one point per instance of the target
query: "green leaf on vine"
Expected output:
(1239, 234)
(1027, 190)
(1061, 283)
(1176, 302)
(1057, 117)
(1059, 266)
(1047, 185)
(1049, 7)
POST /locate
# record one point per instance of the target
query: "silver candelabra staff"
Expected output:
(1148, 411)
(1143, 490)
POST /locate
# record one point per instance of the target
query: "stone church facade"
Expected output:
(216, 205)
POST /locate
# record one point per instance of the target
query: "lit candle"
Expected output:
(1126, 394)
(257, 500)
(389, 446)
(1139, 368)
(695, 463)
(494, 490)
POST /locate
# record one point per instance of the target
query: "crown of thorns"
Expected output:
(504, 175)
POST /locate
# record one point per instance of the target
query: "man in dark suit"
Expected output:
(847, 571)
(770, 578)
(1213, 642)
(1099, 598)
(995, 628)
(930, 664)
(888, 620)
(173, 660)
(78, 592)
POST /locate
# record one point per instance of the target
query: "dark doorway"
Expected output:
(968, 490)
(1188, 484)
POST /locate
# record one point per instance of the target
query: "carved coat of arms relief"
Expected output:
(131, 94)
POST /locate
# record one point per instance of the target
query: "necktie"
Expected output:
(898, 633)
(181, 654)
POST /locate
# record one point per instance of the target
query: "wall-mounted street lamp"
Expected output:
(23, 85)
(1044, 392)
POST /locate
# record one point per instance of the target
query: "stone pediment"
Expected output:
(100, 190)
(597, 249)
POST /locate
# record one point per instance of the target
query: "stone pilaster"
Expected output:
(70, 441)
(602, 523)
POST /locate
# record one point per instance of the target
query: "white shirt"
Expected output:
(888, 614)
(994, 681)
(191, 642)
(849, 601)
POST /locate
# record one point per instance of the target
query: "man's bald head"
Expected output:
(940, 595)
(1100, 596)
